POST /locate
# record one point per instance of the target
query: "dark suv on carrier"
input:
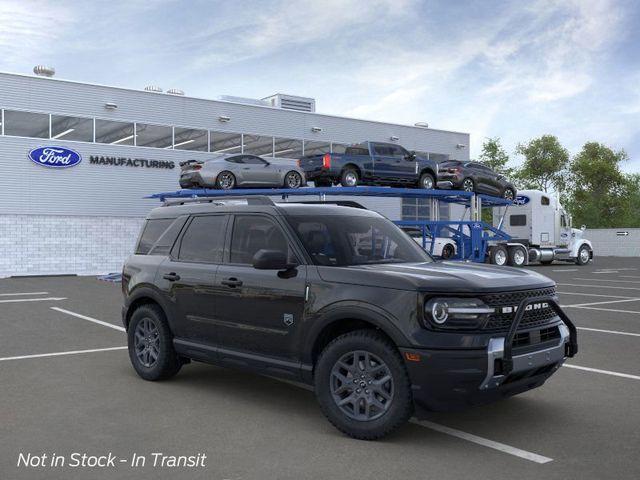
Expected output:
(340, 298)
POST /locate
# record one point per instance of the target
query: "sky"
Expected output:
(514, 70)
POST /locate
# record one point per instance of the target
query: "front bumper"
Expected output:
(444, 380)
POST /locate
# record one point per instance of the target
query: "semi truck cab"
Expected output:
(540, 226)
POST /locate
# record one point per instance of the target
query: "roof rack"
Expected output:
(340, 203)
(250, 200)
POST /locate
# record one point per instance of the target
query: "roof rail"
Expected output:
(340, 203)
(251, 200)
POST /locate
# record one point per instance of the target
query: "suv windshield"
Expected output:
(341, 241)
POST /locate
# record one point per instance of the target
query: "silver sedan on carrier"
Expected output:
(241, 170)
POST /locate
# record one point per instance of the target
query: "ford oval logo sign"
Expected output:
(521, 200)
(55, 157)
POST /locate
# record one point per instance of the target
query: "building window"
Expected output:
(71, 128)
(26, 124)
(287, 148)
(115, 133)
(226, 142)
(258, 145)
(190, 139)
(157, 136)
(316, 148)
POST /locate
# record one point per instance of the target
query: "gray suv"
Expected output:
(339, 298)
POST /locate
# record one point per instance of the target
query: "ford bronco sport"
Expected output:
(340, 298)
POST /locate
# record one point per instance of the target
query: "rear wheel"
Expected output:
(150, 344)
(517, 256)
(226, 180)
(427, 181)
(448, 251)
(293, 180)
(349, 178)
(499, 255)
(362, 385)
(468, 185)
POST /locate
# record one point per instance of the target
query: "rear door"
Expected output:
(258, 311)
(188, 276)
(383, 161)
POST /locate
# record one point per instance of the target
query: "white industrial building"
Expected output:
(85, 219)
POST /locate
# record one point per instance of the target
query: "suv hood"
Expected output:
(450, 277)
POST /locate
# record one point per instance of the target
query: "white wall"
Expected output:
(56, 244)
(607, 242)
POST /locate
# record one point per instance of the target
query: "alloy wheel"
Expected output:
(584, 255)
(508, 194)
(293, 180)
(467, 185)
(351, 179)
(362, 385)
(226, 181)
(427, 182)
(147, 342)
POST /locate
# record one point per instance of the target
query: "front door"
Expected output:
(258, 311)
(259, 172)
(188, 277)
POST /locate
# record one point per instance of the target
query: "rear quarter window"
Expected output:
(151, 232)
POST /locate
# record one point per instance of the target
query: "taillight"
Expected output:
(298, 162)
(326, 160)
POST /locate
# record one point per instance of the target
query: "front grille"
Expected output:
(501, 321)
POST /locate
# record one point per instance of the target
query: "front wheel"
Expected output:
(150, 344)
(508, 194)
(448, 251)
(584, 255)
(293, 180)
(362, 385)
(427, 181)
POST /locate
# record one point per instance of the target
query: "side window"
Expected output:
(398, 151)
(382, 150)
(253, 160)
(544, 201)
(204, 239)
(518, 220)
(563, 221)
(168, 238)
(252, 233)
(238, 159)
(151, 233)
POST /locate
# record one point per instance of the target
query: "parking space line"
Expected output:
(59, 354)
(23, 293)
(607, 280)
(485, 442)
(566, 270)
(597, 286)
(89, 319)
(616, 332)
(606, 372)
(46, 299)
(601, 303)
(629, 276)
(592, 294)
(609, 310)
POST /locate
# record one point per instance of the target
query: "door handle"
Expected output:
(232, 282)
(172, 277)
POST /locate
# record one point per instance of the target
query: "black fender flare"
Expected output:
(352, 310)
(149, 292)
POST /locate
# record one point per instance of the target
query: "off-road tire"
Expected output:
(401, 407)
(168, 362)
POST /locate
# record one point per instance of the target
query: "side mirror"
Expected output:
(583, 228)
(271, 260)
(411, 156)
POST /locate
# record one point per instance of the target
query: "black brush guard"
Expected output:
(572, 346)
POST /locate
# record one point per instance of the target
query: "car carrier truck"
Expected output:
(540, 231)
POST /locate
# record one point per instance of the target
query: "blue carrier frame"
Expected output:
(472, 237)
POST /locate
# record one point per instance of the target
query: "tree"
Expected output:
(495, 157)
(545, 164)
(600, 195)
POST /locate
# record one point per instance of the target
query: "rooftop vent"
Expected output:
(153, 88)
(175, 91)
(291, 102)
(44, 71)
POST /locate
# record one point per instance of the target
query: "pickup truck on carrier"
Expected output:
(371, 163)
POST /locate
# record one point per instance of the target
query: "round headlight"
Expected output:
(440, 312)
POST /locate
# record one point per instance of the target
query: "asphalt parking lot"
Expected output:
(67, 386)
